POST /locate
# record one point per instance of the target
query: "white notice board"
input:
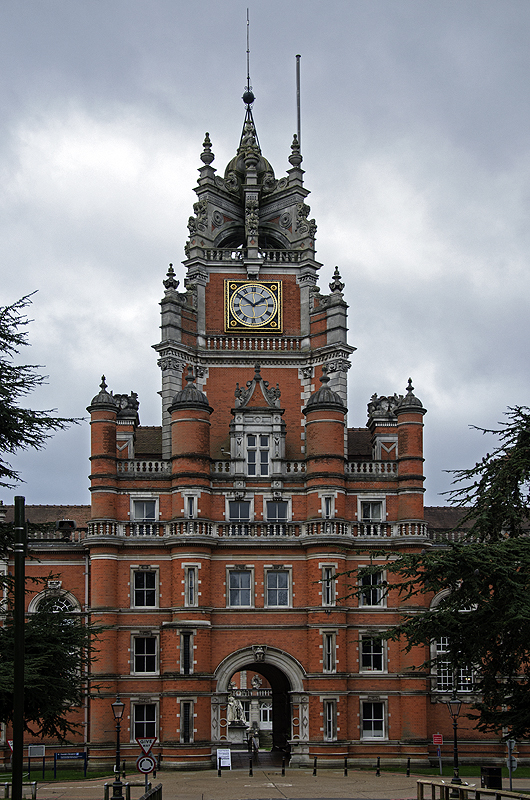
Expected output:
(224, 757)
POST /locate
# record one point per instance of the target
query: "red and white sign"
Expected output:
(145, 764)
(437, 738)
(146, 744)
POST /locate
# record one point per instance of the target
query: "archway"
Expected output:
(289, 705)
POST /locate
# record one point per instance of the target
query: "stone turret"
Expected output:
(103, 481)
(410, 411)
(325, 414)
(190, 444)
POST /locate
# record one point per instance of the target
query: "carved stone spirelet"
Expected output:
(171, 284)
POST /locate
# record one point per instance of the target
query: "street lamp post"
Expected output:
(117, 787)
(454, 706)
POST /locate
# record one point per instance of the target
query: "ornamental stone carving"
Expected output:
(383, 406)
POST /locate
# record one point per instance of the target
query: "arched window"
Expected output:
(52, 599)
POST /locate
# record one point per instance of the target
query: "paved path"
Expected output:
(299, 784)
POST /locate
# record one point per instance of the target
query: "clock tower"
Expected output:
(252, 295)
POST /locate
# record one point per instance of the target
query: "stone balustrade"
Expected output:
(254, 343)
(254, 530)
(139, 466)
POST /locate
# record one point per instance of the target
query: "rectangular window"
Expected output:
(371, 511)
(372, 654)
(239, 510)
(277, 510)
(239, 588)
(257, 455)
(278, 588)
(329, 646)
(144, 510)
(144, 721)
(145, 654)
(186, 653)
(446, 674)
(330, 720)
(145, 522)
(372, 589)
(191, 508)
(328, 586)
(145, 589)
(191, 586)
(327, 507)
(373, 720)
(186, 721)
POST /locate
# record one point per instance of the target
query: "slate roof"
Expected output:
(148, 442)
(359, 444)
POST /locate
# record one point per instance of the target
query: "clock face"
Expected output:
(249, 304)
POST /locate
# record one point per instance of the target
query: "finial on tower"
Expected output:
(207, 156)
(170, 282)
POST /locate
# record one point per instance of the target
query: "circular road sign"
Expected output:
(145, 764)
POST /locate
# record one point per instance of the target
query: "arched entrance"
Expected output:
(290, 724)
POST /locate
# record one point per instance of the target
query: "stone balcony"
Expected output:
(413, 529)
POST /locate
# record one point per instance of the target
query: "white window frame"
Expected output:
(274, 571)
(329, 719)
(371, 526)
(329, 585)
(329, 651)
(265, 712)
(234, 571)
(369, 636)
(191, 505)
(383, 718)
(134, 640)
(144, 526)
(381, 603)
(447, 678)
(239, 528)
(270, 499)
(261, 466)
(190, 702)
(188, 635)
(135, 704)
(141, 570)
(327, 505)
(191, 585)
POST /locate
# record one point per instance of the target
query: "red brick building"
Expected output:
(217, 545)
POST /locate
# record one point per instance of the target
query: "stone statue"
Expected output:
(235, 711)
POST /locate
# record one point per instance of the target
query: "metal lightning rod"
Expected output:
(248, 52)
(298, 117)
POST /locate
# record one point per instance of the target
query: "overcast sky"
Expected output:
(415, 136)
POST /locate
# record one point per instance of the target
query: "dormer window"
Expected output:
(258, 452)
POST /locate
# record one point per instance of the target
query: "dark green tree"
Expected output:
(21, 428)
(482, 582)
(59, 646)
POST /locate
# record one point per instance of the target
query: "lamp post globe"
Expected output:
(117, 787)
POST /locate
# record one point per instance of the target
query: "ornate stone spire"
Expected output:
(170, 283)
(324, 396)
(410, 400)
(296, 157)
(207, 156)
(104, 398)
(336, 284)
